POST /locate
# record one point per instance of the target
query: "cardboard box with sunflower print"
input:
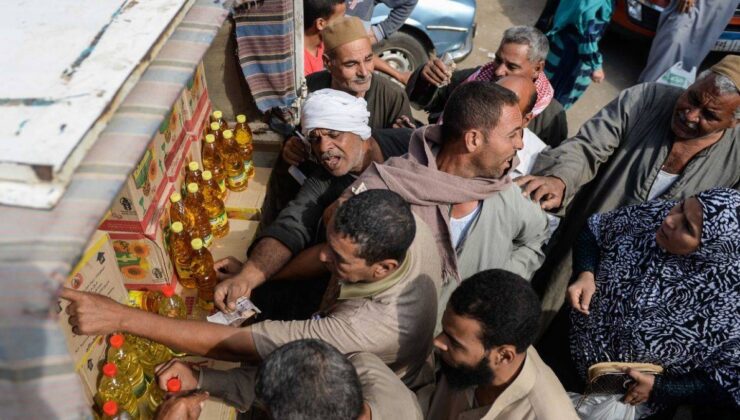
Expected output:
(143, 257)
(196, 97)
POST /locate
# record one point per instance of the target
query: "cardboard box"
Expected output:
(136, 205)
(247, 205)
(172, 132)
(196, 97)
(96, 272)
(143, 258)
(190, 151)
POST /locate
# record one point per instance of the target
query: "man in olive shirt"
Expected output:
(489, 368)
(385, 263)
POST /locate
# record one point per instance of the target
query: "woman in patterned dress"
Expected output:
(659, 282)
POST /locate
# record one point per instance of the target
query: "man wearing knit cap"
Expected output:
(652, 142)
(335, 123)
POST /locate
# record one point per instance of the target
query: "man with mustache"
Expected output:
(348, 58)
(652, 141)
(522, 52)
(489, 368)
(336, 125)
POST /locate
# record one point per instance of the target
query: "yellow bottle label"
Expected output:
(222, 185)
(135, 298)
(183, 271)
(218, 221)
(238, 180)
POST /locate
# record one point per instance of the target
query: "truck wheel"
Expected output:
(402, 51)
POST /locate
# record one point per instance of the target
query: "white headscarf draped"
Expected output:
(335, 110)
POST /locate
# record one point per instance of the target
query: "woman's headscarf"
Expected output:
(681, 312)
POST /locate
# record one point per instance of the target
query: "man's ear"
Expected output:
(382, 269)
(327, 61)
(526, 118)
(320, 24)
(473, 140)
(539, 67)
(505, 354)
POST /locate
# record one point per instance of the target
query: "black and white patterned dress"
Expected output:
(680, 312)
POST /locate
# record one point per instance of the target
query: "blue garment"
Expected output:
(680, 312)
(574, 47)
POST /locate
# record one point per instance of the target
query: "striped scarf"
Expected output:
(545, 91)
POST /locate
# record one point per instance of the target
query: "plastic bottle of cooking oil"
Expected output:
(218, 136)
(192, 174)
(214, 206)
(147, 300)
(194, 206)
(243, 136)
(178, 212)
(156, 394)
(113, 387)
(181, 252)
(124, 357)
(218, 117)
(236, 177)
(111, 412)
(204, 274)
(150, 354)
(172, 305)
(212, 161)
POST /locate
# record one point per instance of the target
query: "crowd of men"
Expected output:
(412, 272)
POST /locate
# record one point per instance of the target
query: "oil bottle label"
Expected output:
(135, 298)
(183, 271)
(238, 180)
(248, 165)
(218, 221)
(222, 185)
(208, 240)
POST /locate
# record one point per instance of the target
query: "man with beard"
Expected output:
(348, 58)
(383, 259)
(336, 125)
(489, 368)
(522, 52)
(652, 142)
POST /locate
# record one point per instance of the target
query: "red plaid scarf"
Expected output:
(544, 88)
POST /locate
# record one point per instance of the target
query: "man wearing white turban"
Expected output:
(336, 125)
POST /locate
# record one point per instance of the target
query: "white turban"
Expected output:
(335, 110)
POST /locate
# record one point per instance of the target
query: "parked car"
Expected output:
(435, 26)
(640, 17)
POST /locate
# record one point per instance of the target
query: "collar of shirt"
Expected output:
(363, 290)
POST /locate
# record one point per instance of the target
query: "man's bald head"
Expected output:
(525, 91)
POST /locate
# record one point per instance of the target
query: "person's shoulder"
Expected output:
(318, 80)
(548, 397)
(652, 92)
(384, 392)
(383, 84)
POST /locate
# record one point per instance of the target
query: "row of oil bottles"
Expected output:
(128, 388)
(201, 216)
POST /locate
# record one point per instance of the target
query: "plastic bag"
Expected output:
(605, 407)
(678, 76)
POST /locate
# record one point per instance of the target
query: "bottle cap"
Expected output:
(228, 134)
(174, 385)
(168, 291)
(217, 115)
(192, 187)
(215, 126)
(110, 408)
(196, 243)
(210, 138)
(110, 370)
(116, 340)
(193, 166)
(207, 175)
(177, 227)
(175, 197)
(241, 118)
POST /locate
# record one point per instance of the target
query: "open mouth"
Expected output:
(685, 126)
(331, 162)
